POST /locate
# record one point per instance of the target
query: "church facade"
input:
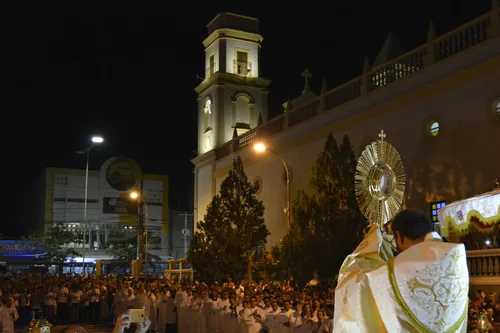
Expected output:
(439, 105)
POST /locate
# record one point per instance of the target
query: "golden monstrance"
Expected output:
(380, 181)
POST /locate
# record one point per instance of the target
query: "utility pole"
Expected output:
(140, 234)
(186, 232)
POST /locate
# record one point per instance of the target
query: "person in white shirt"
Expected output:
(229, 317)
(287, 320)
(179, 300)
(327, 324)
(6, 322)
(75, 298)
(252, 317)
(272, 322)
(62, 304)
(211, 311)
(171, 321)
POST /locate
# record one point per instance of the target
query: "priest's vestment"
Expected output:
(423, 289)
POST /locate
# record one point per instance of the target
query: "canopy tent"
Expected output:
(480, 213)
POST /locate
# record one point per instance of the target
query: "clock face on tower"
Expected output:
(208, 143)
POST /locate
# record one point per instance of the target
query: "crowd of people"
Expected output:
(170, 306)
(484, 313)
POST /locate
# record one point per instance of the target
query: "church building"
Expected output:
(438, 104)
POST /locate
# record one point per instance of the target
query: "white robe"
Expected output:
(250, 324)
(230, 320)
(288, 321)
(423, 289)
(198, 322)
(211, 311)
(161, 304)
(273, 321)
(182, 302)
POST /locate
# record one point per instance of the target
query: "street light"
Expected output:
(95, 140)
(260, 148)
(134, 195)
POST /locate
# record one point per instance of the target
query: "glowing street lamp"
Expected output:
(134, 195)
(261, 148)
(95, 140)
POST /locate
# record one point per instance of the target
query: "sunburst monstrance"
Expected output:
(380, 181)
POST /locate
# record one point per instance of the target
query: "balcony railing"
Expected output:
(210, 71)
(242, 67)
(483, 263)
(482, 29)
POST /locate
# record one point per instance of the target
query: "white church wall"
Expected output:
(204, 183)
(212, 50)
(469, 134)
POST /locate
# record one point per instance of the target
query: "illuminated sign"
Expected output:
(24, 249)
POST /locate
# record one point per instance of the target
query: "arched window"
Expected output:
(207, 114)
(242, 115)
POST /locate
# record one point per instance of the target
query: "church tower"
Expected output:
(232, 97)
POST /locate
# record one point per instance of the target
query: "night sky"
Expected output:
(128, 73)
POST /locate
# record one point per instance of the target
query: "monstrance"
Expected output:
(380, 181)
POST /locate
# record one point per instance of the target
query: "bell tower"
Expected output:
(232, 97)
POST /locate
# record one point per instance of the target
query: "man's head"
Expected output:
(409, 227)
(330, 309)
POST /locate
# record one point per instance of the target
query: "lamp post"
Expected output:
(260, 148)
(95, 140)
(134, 195)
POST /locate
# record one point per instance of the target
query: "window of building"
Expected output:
(207, 114)
(434, 128)
(59, 180)
(242, 115)
(241, 64)
(497, 109)
(435, 207)
(211, 67)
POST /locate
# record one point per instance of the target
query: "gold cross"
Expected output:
(382, 135)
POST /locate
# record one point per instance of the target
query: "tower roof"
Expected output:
(389, 51)
(234, 21)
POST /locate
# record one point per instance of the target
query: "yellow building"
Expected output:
(59, 196)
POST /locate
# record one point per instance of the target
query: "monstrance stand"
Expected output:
(380, 182)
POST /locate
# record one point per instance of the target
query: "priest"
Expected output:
(411, 281)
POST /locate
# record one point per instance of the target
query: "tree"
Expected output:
(123, 246)
(57, 241)
(231, 230)
(327, 223)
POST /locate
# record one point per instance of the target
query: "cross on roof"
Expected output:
(382, 135)
(307, 75)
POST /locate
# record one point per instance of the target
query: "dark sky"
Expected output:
(70, 69)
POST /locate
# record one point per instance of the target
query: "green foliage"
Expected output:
(327, 223)
(55, 241)
(123, 246)
(232, 228)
